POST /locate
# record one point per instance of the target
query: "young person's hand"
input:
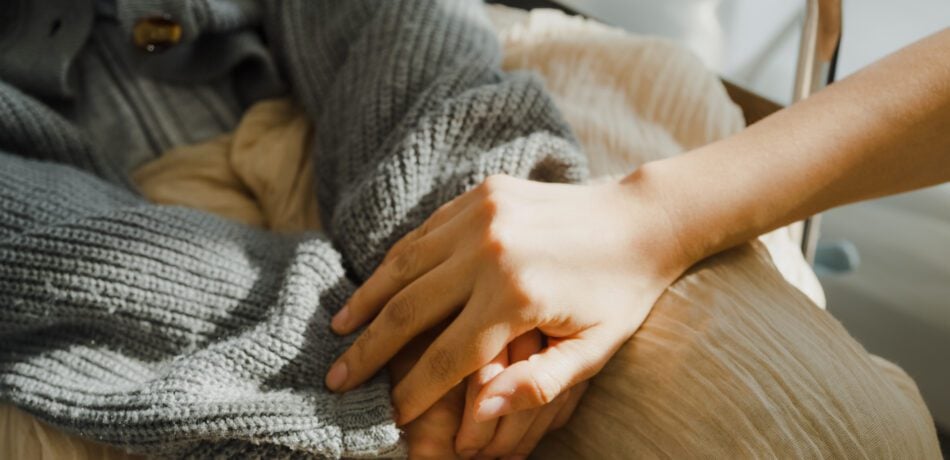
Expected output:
(581, 264)
(584, 264)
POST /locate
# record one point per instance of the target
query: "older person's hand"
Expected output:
(448, 429)
(582, 264)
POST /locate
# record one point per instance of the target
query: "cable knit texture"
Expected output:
(175, 333)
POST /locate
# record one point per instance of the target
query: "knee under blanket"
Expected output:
(173, 332)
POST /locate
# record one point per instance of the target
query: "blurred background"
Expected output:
(896, 302)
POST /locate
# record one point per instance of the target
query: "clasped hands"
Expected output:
(495, 312)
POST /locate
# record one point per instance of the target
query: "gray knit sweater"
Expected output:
(175, 333)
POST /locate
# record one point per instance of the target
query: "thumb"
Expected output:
(539, 379)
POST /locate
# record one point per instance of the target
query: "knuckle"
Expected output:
(426, 227)
(441, 364)
(489, 206)
(397, 249)
(358, 351)
(403, 264)
(401, 310)
(497, 243)
(442, 211)
(544, 387)
(491, 199)
(493, 183)
(520, 301)
(494, 249)
(393, 252)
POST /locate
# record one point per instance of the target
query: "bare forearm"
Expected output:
(881, 131)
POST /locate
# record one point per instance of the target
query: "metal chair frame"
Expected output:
(817, 58)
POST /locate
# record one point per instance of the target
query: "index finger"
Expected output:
(414, 310)
(470, 342)
(405, 261)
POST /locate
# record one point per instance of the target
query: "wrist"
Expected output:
(688, 222)
(660, 234)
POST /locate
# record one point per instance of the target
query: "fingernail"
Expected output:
(469, 453)
(340, 319)
(337, 376)
(491, 408)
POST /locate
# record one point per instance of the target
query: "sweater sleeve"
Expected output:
(170, 331)
(176, 333)
(411, 109)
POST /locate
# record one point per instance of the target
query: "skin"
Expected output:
(583, 265)
(447, 430)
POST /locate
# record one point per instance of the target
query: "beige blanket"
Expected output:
(733, 361)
